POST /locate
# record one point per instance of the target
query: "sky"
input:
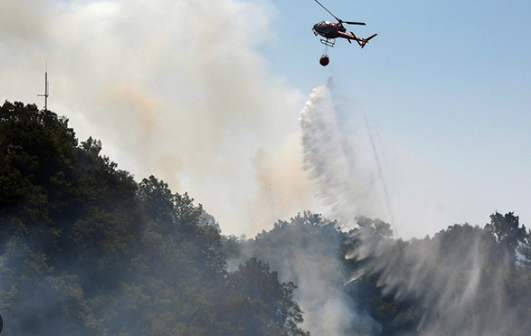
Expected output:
(207, 95)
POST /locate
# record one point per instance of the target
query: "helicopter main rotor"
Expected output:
(338, 19)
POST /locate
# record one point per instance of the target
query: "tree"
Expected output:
(375, 228)
(507, 233)
(264, 306)
(37, 159)
(525, 250)
(84, 248)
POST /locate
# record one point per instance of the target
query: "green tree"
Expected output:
(375, 228)
(508, 234)
(264, 306)
(86, 250)
(525, 250)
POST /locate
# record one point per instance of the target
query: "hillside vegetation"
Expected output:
(87, 250)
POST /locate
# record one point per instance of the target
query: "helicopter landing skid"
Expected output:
(328, 42)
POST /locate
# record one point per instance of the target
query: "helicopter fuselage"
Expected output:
(331, 30)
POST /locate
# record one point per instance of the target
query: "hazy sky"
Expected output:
(206, 95)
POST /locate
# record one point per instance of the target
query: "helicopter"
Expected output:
(332, 30)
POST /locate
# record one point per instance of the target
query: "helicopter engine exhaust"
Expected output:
(324, 60)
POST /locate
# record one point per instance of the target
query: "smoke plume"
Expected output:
(173, 88)
(305, 250)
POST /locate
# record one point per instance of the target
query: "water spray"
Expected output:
(380, 173)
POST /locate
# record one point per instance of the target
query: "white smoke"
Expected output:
(305, 251)
(173, 88)
(339, 161)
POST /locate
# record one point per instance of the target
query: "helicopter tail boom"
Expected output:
(363, 41)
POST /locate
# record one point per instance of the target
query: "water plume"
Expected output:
(459, 280)
(338, 158)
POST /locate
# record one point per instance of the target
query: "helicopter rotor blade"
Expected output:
(335, 17)
(354, 23)
(338, 19)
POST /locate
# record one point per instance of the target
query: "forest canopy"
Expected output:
(87, 250)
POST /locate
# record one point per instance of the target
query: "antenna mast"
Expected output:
(46, 87)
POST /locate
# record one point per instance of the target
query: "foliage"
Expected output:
(464, 281)
(507, 232)
(86, 250)
(261, 299)
(459, 282)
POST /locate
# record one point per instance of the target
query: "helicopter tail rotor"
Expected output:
(362, 41)
(367, 40)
